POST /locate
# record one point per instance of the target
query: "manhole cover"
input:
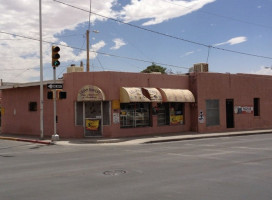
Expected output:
(6, 156)
(114, 172)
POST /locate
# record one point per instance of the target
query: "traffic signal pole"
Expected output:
(55, 63)
(55, 136)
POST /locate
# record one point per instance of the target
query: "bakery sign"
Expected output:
(243, 109)
(90, 93)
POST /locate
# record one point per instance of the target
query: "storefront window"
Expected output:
(134, 115)
(163, 114)
(106, 113)
(79, 113)
(212, 110)
(176, 113)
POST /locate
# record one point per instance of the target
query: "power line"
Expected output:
(90, 15)
(98, 52)
(167, 35)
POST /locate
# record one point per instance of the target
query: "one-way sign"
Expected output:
(55, 86)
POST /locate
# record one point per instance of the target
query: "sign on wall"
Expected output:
(116, 118)
(115, 104)
(243, 109)
(90, 93)
(201, 118)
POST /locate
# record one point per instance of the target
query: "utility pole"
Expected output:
(41, 73)
(88, 55)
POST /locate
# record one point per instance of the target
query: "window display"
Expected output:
(176, 113)
(134, 115)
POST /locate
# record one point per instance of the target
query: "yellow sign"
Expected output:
(2, 110)
(115, 104)
(176, 119)
(92, 124)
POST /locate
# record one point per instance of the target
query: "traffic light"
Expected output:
(55, 56)
(62, 95)
(59, 94)
(50, 95)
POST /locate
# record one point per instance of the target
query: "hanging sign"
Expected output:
(90, 93)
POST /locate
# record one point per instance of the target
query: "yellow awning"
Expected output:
(132, 94)
(153, 94)
(177, 95)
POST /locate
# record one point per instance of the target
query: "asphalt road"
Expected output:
(231, 168)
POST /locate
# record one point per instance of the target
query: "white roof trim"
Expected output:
(29, 84)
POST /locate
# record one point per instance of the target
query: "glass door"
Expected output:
(93, 120)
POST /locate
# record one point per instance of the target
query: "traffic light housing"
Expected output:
(55, 56)
(62, 95)
(59, 94)
(50, 95)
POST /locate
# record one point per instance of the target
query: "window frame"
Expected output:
(256, 107)
(212, 112)
(32, 106)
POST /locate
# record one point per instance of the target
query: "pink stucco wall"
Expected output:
(22, 121)
(242, 88)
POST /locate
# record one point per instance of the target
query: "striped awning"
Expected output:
(153, 94)
(177, 95)
(132, 94)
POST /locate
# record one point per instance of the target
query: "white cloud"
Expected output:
(188, 53)
(96, 47)
(20, 56)
(158, 11)
(118, 43)
(233, 41)
(21, 17)
(263, 71)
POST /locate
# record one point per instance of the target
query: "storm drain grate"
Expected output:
(114, 172)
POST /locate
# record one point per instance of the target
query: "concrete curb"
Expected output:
(204, 136)
(150, 140)
(26, 140)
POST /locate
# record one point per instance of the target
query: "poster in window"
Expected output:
(176, 119)
(92, 124)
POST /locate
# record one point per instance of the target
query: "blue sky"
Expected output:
(237, 25)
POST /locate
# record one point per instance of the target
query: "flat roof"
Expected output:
(8, 85)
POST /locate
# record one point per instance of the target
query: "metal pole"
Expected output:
(55, 136)
(41, 73)
(88, 59)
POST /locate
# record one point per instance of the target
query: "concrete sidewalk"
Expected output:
(158, 139)
(134, 140)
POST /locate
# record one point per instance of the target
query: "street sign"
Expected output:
(55, 86)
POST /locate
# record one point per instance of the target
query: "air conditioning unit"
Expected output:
(201, 67)
(74, 68)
